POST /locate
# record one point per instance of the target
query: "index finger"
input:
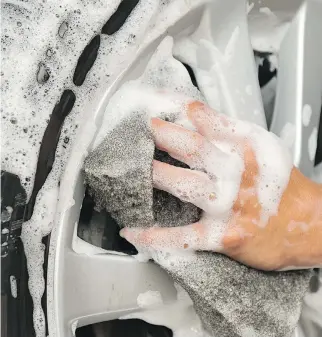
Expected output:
(185, 237)
(182, 144)
(215, 126)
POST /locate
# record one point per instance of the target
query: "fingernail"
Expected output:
(198, 112)
(195, 106)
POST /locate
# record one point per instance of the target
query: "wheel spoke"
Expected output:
(102, 287)
(299, 85)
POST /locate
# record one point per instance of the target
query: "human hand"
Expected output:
(257, 208)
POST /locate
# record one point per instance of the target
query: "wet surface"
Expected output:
(117, 20)
(13, 262)
(86, 60)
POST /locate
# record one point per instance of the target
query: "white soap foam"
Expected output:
(312, 143)
(273, 62)
(178, 316)
(148, 93)
(13, 286)
(163, 71)
(30, 113)
(275, 164)
(267, 29)
(288, 135)
(32, 233)
(306, 114)
(272, 182)
(51, 47)
(149, 299)
(27, 105)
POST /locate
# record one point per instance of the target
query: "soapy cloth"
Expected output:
(231, 299)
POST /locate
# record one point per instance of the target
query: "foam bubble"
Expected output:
(149, 299)
(267, 29)
(288, 135)
(306, 114)
(178, 316)
(312, 143)
(13, 286)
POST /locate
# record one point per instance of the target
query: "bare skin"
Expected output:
(290, 238)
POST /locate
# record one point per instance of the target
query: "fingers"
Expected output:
(190, 237)
(188, 185)
(215, 126)
(182, 144)
(223, 169)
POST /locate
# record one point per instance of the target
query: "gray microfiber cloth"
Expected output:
(231, 299)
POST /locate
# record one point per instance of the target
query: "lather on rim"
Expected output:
(79, 286)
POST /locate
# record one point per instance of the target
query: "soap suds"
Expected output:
(272, 180)
(149, 299)
(306, 114)
(46, 44)
(178, 316)
(312, 143)
(273, 62)
(13, 286)
(268, 28)
(288, 135)
(28, 104)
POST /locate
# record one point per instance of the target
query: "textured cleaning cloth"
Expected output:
(231, 299)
